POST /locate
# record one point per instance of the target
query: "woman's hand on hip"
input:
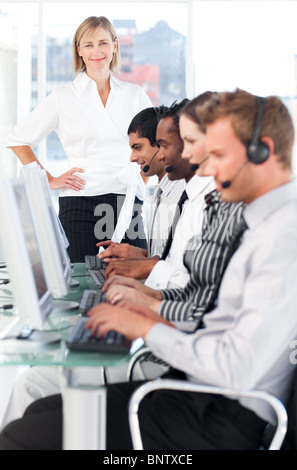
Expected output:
(68, 180)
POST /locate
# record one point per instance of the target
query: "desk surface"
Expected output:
(61, 322)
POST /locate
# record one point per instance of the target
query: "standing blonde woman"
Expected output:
(91, 116)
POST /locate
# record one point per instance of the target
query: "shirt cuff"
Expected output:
(166, 275)
(162, 340)
(159, 276)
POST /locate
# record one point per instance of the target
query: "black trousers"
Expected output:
(89, 220)
(169, 420)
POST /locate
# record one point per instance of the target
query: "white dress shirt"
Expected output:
(93, 137)
(248, 338)
(172, 272)
(160, 217)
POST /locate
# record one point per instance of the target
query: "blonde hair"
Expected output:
(89, 25)
(242, 109)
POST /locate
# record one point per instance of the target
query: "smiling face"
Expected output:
(194, 143)
(143, 153)
(171, 147)
(96, 49)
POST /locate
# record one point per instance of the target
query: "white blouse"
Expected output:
(93, 137)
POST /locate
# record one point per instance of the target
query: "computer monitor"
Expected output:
(58, 228)
(23, 255)
(57, 262)
(55, 270)
(60, 233)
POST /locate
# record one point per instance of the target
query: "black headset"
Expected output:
(257, 151)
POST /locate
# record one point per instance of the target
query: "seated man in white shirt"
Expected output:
(246, 340)
(160, 273)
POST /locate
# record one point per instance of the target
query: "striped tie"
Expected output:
(177, 214)
(156, 202)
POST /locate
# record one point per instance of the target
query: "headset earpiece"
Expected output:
(257, 151)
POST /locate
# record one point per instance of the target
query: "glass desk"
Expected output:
(84, 407)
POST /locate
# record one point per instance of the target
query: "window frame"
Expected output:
(190, 85)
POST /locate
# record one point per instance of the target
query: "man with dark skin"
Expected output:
(171, 146)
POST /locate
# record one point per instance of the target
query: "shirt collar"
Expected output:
(265, 205)
(82, 80)
(166, 185)
(198, 184)
(116, 81)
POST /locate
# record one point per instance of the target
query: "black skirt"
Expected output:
(87, 220)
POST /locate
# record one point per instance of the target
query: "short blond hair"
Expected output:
(89, 25)
(242, 109)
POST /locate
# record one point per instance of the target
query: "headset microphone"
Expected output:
(227, 184)
(257, 151)
(170, 168)
(146, 168)
(195, 166)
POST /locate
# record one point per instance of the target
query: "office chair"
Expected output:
(158, 384)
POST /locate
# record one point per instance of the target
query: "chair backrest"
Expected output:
(278, 433)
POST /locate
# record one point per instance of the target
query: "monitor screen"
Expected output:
(56, 265)
(30, 239)
(57, 226)
(23, 254)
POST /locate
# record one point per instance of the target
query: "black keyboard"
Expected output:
(92, 262)
(89, 299)
(98, 276)
(81, 339)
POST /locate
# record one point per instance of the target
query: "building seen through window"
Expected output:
(172, 49)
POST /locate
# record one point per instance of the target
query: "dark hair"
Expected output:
(145, 123)
(190, 110)
(174, 112)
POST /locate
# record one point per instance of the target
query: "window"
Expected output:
(38, 47)
(152, 52)
(173, 48)
(247, 44)
(16, 38)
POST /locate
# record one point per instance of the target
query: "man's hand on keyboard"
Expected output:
(119, 250)
(136, 268)
(130, 319)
